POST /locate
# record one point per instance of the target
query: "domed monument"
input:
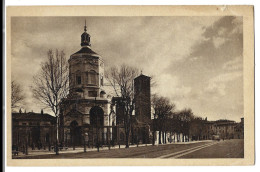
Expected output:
(84, 114)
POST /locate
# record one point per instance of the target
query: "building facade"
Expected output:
(36, 130)
(84, 114)
(225, 129)
(239, 130)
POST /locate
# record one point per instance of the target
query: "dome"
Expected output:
(85, 44)
(86, 50)
(85, 39)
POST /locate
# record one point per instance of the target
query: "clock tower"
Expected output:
(86, 107)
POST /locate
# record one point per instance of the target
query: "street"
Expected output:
(205, 149)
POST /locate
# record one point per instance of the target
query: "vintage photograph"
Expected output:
(115, 87)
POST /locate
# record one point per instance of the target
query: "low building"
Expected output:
(225, 129)
(239, 130)
(33, 129)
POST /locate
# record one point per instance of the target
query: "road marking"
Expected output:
(180, 155)
(175, 153)
(186, 150)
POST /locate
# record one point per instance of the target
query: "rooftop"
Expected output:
(32, 116)
(85, 50)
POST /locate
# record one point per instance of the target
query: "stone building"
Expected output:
(84, 114)
(142, 96)
(223, 128)
(33, 129)
(239, 130)
(140, 131)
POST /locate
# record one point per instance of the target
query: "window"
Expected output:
(92, 78)
(78, 78)
(101, 80)
(86, 79)
(92, 94)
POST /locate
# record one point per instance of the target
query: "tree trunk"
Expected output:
(127, 140)
(153, 138)
(165, 137)
(132, 136)
(57, 137)
(160, 133)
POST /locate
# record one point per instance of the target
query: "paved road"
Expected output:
(207, 149)
(224, 149)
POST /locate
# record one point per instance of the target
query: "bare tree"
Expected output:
(17, 95)
(185, 118)
(121, 80)
(163, 108)
(51, 84)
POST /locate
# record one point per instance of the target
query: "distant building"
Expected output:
(239, 130)
(33, 129)
(226, 129)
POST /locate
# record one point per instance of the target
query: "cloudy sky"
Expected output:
(196, 61)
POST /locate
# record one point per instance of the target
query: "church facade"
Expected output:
(84, 114)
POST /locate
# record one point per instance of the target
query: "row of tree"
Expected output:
(168, 120)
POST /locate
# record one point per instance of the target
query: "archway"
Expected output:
(75, 133)
(96, 116)
(97, 122)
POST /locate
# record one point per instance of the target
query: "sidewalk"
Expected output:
(81, 149)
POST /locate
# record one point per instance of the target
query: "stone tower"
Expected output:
(142, 94)
(86, 107)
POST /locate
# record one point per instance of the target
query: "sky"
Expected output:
(197, 62)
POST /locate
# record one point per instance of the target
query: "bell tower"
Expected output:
(86, 106)
(86, 71)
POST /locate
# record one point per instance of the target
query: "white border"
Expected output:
(155, 2)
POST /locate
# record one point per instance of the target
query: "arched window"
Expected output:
(101, 80)
(86, 78)
(92, 77)
(96, 116)
(78, 78)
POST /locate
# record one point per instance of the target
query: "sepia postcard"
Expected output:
(130, 85)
